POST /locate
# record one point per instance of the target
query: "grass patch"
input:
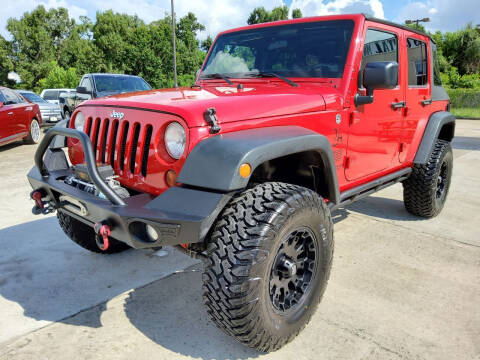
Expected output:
(466, 113)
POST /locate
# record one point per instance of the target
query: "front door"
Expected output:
(5, 130)
(15, 113)
(374, 128)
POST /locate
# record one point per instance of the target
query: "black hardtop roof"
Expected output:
(386, 22)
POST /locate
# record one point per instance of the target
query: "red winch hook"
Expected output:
(102, 232)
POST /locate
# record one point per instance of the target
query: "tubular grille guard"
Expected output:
(89, 160)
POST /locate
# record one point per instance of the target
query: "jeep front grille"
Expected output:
(123, 145)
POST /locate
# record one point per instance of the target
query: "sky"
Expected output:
(218, 15)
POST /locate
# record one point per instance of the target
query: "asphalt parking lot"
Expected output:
(401, 287)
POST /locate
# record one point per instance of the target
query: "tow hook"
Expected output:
(102, 232)
(41, 207)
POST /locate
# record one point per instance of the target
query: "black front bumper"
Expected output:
(179, 215)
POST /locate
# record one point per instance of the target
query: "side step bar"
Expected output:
(349, 196)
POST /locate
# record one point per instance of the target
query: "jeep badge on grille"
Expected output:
(118, 115)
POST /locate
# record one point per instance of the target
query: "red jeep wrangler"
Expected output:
(287, 122)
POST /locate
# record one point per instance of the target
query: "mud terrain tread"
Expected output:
(419, 189)
(237, 244)
(84, 235)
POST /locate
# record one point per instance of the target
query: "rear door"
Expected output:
(374, 128)
(417, 89)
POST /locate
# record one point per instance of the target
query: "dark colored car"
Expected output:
(19, 118)
(287, 122)
(93, 86)
(51, 113)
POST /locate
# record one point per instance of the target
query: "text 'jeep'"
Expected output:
(287, 122)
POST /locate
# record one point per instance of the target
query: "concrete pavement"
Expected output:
(400, 288)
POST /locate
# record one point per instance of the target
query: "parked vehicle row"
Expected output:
(94, 86)
(53, 105)
(51, 112)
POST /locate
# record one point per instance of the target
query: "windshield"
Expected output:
(120, 84)
(311, 49)
(33, 97)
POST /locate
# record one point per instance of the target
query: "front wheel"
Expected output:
(269, 260)
(33, 136)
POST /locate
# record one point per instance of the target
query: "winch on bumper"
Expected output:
(178, 216)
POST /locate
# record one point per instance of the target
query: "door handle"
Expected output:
(426, 102)
(10, 113)
(399, 105)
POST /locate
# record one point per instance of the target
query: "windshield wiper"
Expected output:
(217, 76)
(272, 74)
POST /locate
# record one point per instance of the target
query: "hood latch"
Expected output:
(211, 118)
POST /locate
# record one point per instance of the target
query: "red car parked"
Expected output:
(19, 118)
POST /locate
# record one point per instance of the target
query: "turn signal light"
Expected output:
(245, 170)
(171, 178)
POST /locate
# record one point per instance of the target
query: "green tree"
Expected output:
(6, 64)
(58, 77)
(260, 15)
(37, 38)
(206, 44)
(296, 14)
(462, 49)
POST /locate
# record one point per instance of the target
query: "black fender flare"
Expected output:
(214, 162)
(437, 121)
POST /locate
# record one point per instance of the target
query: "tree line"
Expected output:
(49, 49)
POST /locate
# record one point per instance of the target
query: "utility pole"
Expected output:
(416, 21)
(173, 45)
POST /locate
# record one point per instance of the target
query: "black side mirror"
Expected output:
(377, 75)
(83, 90)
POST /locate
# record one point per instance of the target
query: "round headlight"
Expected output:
(175, 140)
(79, 122)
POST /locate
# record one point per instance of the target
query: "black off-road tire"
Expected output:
(426, 190)
(244, 244)
(84, 235)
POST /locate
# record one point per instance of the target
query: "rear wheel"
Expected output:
(33, 133)
(269, 259)
(425, 191)
(84, 235)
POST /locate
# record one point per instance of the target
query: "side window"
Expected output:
(437, 79)
(20, 99)
(86, 83)
(2, 98)
(417, 62)
(10, 97)
(379, 46)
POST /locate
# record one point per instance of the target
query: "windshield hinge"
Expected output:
(211, 118)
